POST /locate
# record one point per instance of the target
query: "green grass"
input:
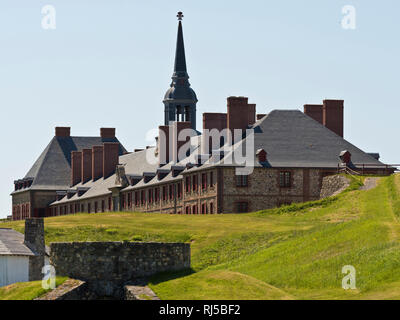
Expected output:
(26, 290)
(292, 252)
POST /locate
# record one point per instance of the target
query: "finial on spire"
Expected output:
(180, 15)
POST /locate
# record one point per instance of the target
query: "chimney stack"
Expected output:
(164, 146)
(63, 131)
(241, 114)
(110, 158)
(86, 165)
(76, 167)
(97, 162)
(177, 128)
(34, 239)
(107, 133)
(333, 115)
(314, 111)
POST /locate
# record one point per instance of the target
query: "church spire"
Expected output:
(180, 99)
(180, 59)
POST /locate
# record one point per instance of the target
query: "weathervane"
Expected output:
(180, 15)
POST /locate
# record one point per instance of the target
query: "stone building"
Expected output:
(286, 155)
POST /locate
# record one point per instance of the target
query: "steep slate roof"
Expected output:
(290, 138)
(52, 170)
(295, 140)
(12, 244)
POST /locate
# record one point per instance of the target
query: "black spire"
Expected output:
(180, 99)
(180, 59)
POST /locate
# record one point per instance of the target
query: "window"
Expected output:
(242, 207)
(164, 191)
(71, 209)
(109, 204)
(150, 195)
(95, 207)
(179, 186)
(194, 184)
(242, 181)
(211, 207)
(187, 184)
(156, 194)
(194, 209)
(129, 200)
(285, 179)
(204, 181)
(187, 210)
(203, 208)
(137, 202)
(103, 206)
(171, 192)
(211, 178)
(142, 197)
(123, 201)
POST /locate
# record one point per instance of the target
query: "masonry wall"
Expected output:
(263, 190)
(107, 266)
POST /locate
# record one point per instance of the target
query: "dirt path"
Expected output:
(370, 183)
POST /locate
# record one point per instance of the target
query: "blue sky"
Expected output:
(109, 63)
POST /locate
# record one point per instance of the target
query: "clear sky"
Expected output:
(109, 63)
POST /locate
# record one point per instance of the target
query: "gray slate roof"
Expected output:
(52, 170)
(290, 138)
(12, 244)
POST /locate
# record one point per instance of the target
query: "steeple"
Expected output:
(180, 99)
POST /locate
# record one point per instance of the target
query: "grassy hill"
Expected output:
(294, 252)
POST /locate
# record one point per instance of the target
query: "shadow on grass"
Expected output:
(170, 275)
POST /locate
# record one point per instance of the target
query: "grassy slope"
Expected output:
(294, 252)
(26, 290)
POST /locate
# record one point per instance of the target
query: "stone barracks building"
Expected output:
(289, 154)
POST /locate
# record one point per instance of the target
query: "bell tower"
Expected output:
(180, 100)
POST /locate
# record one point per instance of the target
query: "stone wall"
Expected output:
(107, 266)
(333, 185)
(264, 192)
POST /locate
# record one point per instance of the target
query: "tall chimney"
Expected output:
(63, 131)
(178, 127)
(76, 167)
(107, 133)
(97, 162)
(86, 165)
(314, 111)
(212, 122)
(333, 115)
(240, 113)
(34, 239)
(110, 158)
(164, 146)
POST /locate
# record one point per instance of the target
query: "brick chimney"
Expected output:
(76, 167)
(333, 115)
(212, 121)
(110, 158)
(177, 128)
(240, 113)
(34, 239)
(63, 131)
(97, 162)
(107, 133)
(314, 111)
(164, 146)
(86, 165)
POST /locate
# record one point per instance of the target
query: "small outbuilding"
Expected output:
(22, 260)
